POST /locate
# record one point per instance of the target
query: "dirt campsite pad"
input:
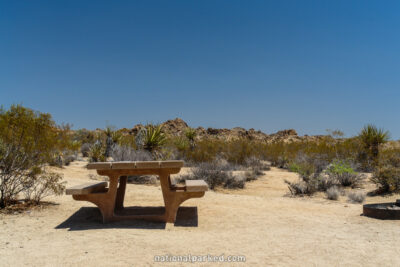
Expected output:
(261, 223)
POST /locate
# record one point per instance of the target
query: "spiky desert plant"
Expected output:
(112, 138)
(190, 134)
(154, 138)
(371, 138)
(108, 132)
(97, 152)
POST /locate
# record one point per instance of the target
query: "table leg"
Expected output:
(119, 201)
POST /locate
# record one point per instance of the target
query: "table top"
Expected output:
(123, 165)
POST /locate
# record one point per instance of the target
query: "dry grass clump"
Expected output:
(356, 197)
(301, 188)
(85, 149)
(217, 173)
(333, 193)
(126, 153)
(142, 179)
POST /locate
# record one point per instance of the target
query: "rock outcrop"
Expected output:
(177, 127)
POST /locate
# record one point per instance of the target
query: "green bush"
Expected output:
(28, 141)
(344, 174)
(387, 179)
(356, 197)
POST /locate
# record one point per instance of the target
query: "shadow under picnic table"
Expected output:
(87, 218)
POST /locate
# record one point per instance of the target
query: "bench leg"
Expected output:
(105, 201)
(175, 200)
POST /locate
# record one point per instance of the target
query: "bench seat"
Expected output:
(196, 186)
(86, 188)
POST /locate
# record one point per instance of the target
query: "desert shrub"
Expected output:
(256, 164)
(276, 153)
(97, 152)
(63, 158)
(238, 151)
(154, 138)
(320, 152)
(294, 167)
(212, 173)
(255, 168)
(225, 165)
(43, 186)
(333, 193)
(142, 179)
(356, 197)
(112, 138)
(56, 160)
(390, 157)
(217, 173)
(177, 148)
(235, 181)
(127, 140)
(206, 150)
(251, 175)
(125, 153)
(85, 149)
(28, 141)
(68, 158)
(308, 184)
(325, 182)
(308, 164)
(190, 134)
(371, 139)
(304, 168)
(84, 136)
(344, 174)
(311, 181)
(300, 188)
(387, 179)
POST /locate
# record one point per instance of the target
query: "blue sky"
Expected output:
(268, 65)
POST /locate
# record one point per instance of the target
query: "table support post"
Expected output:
(119, 201)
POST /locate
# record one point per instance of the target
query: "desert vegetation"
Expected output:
(30, 141)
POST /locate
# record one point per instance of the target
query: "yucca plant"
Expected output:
(371, 138)
(112, 138)
(97, 152)
(190, 134)
(154, 138)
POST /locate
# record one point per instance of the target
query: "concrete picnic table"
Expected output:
(110, 197)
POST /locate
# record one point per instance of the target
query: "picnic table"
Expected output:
(109, 197)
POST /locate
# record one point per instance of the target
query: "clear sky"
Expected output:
(268, 65)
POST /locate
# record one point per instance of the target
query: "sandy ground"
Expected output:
(260, 222)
